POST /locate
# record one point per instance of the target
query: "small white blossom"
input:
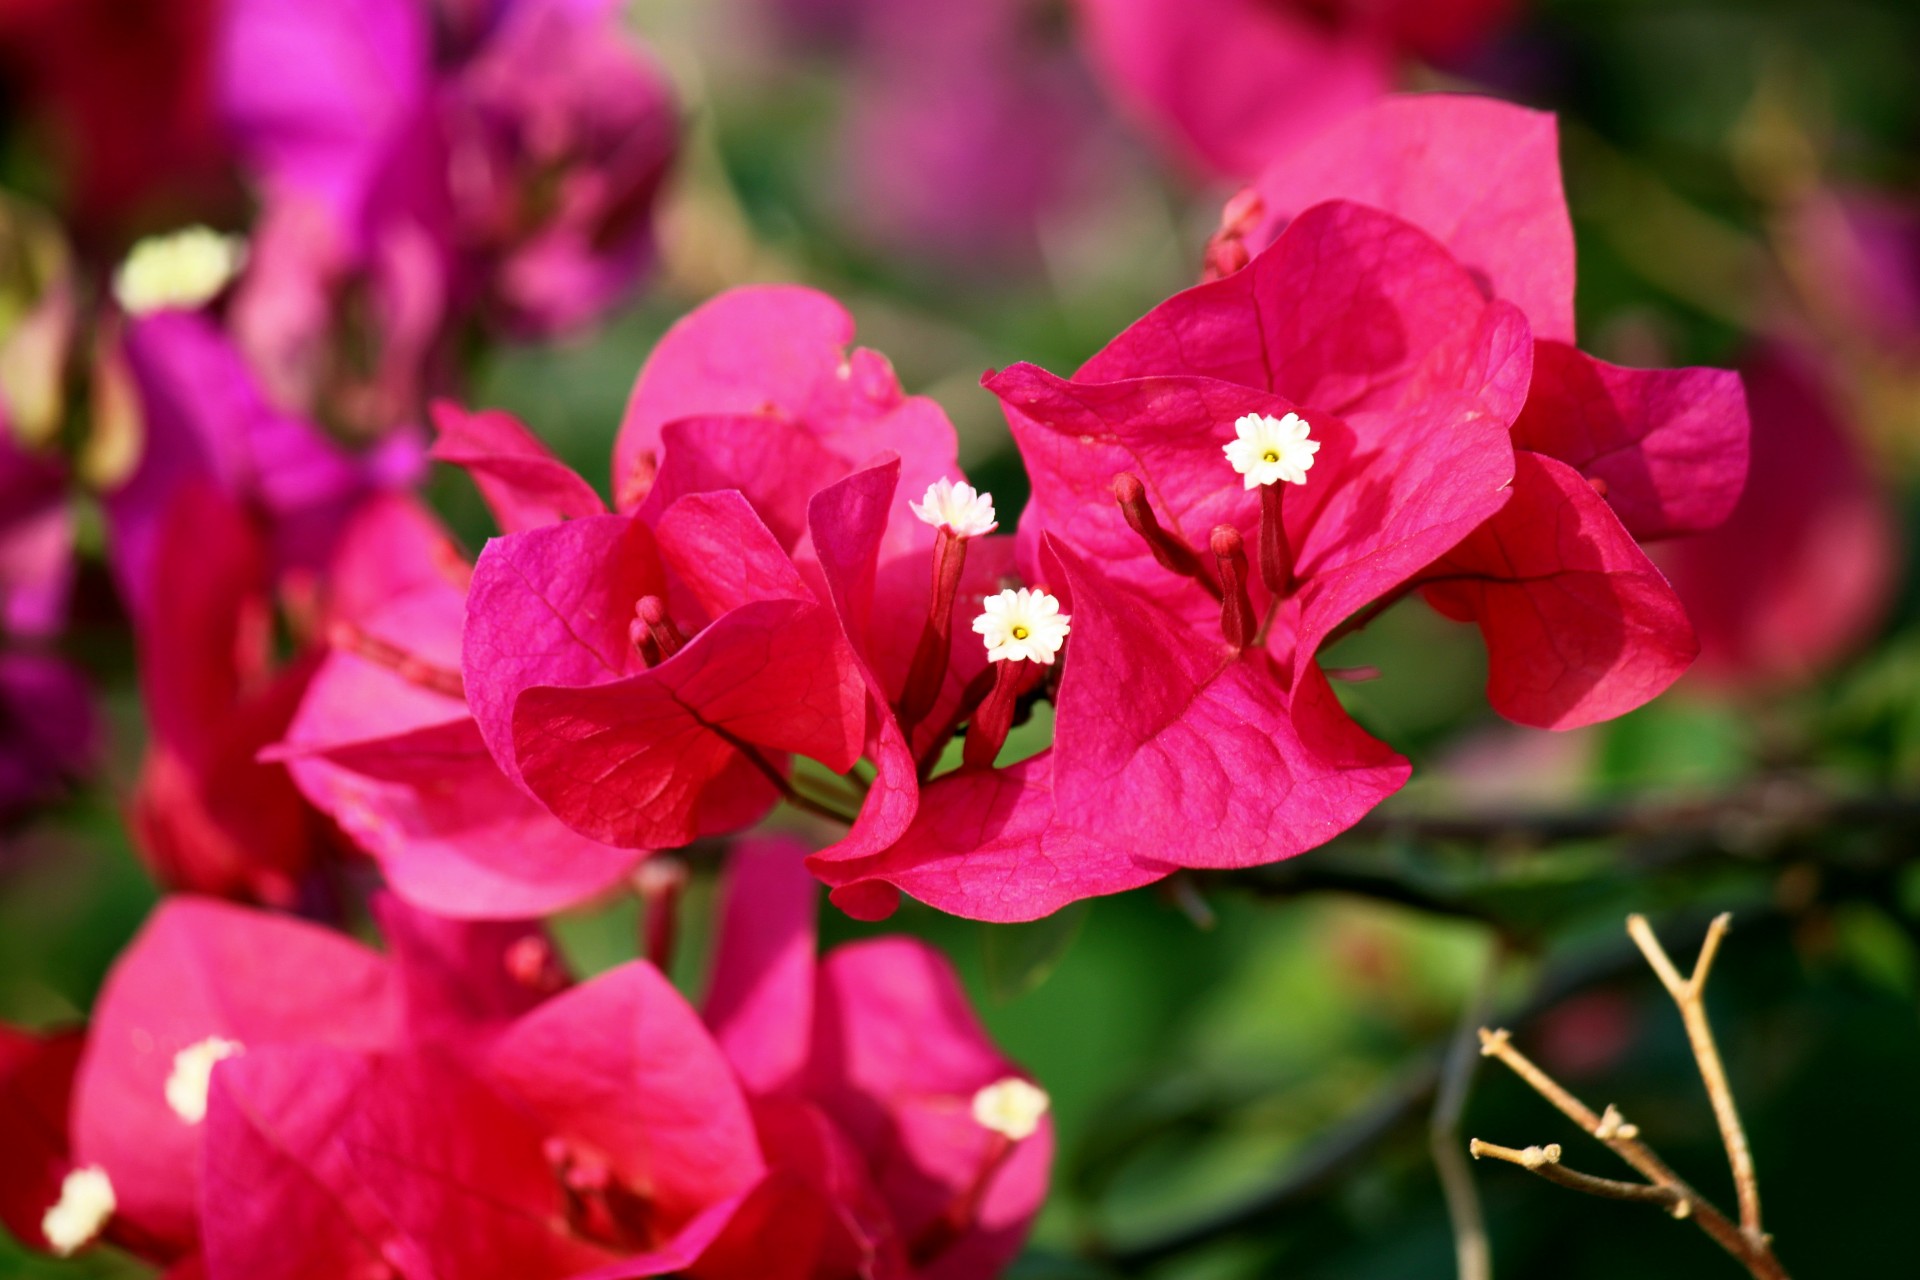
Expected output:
(1268, 449)
(1022, 626)
(958, 506)
(1012, 1107)
(86, 1202)
(185, 269)
(192, 1076)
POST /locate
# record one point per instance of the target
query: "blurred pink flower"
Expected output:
(385, 745)
(1805, 569)
(36, 1090)
(504, 174)
(127, 97)
(207, 815)
(1231, 86)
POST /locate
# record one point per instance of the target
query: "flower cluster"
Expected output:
(785, 592)
(1347, 418)
(260, 1096)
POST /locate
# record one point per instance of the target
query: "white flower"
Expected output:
(192, 1076)
(1269, 449)
(184, 269)
(1012, 1107)
(1022, 626)
(86, 1202)
(958, 506)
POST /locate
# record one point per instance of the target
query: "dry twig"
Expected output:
(1746, 1241)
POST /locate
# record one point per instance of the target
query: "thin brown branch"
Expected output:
(1545, 1161)
(1688, 996)
(1756, 1254)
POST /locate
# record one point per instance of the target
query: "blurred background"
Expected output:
(1243, 1069)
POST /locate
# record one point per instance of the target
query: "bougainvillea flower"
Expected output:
(205, 983)
(958, 118)
(1619, 634)
(128, 96)
(631, 730)
(1666, 447)
(1230, 748)
(1806, 567)
(203, 418)
(384, 743)
(605, 1132)
(398, 154)
(208, 991)
(880, 1040)
(1231, 86)
(757, 376)
(207, 814)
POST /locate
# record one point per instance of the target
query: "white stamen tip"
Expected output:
(192, 1076)
(1267, 449)
(1022, 626)
(958, 506)
(184, 269)
(1012, 1107)
(86, 1202)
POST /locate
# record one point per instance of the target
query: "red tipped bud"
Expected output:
(1168, 550)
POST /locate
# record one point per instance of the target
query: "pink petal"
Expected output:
(460, 978)
(524, 484)
(1350, 308)
(760, 999)
(461, 1173)
(985, 845)
(201, 969)
(1481, 175)
(281, 1200)
(629, 763)
(899, 1055)
(1808, 565)
(551, 606)
(1233, 84)
(1206, 762)
(1579, 625)
(622, 1067)
(781, 351)
(1667, 447)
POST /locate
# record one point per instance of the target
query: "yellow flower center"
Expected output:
(1271, 455)
(1021, 633)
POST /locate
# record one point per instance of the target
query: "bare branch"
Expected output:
(1545, 1161)
(1755, 1253)
(1687, 997)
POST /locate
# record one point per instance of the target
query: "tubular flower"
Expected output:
(1266, 450)
(1022, 626)
(957, 507)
